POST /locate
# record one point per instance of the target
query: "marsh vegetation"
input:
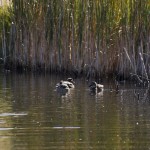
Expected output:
(83, 37)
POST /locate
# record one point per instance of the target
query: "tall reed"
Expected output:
(83, 36)
(5, 18)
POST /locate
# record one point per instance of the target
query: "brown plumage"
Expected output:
(95, 87)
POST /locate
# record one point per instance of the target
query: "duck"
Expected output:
(62, 87)
(69, 82)
(95, 87)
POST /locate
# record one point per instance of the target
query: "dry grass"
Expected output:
(95, 38)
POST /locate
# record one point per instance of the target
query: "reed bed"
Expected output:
(89, 37)
(5, 19)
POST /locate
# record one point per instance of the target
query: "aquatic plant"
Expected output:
(93, 37)
(5, 19)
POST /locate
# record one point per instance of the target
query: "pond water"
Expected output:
(33, 116)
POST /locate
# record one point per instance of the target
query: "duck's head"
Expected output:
(93, 87)
(93, 84)
(70, 80)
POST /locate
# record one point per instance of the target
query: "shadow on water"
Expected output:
(33, 115)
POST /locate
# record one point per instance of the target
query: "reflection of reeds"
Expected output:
(92, 37)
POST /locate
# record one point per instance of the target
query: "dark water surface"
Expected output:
(33, 116)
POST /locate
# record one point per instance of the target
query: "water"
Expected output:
(33, 116)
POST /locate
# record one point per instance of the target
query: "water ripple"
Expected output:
(12, 114)
(66, 127)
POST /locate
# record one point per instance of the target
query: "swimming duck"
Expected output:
(69, 82)
(96, 88)
(62, 87)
